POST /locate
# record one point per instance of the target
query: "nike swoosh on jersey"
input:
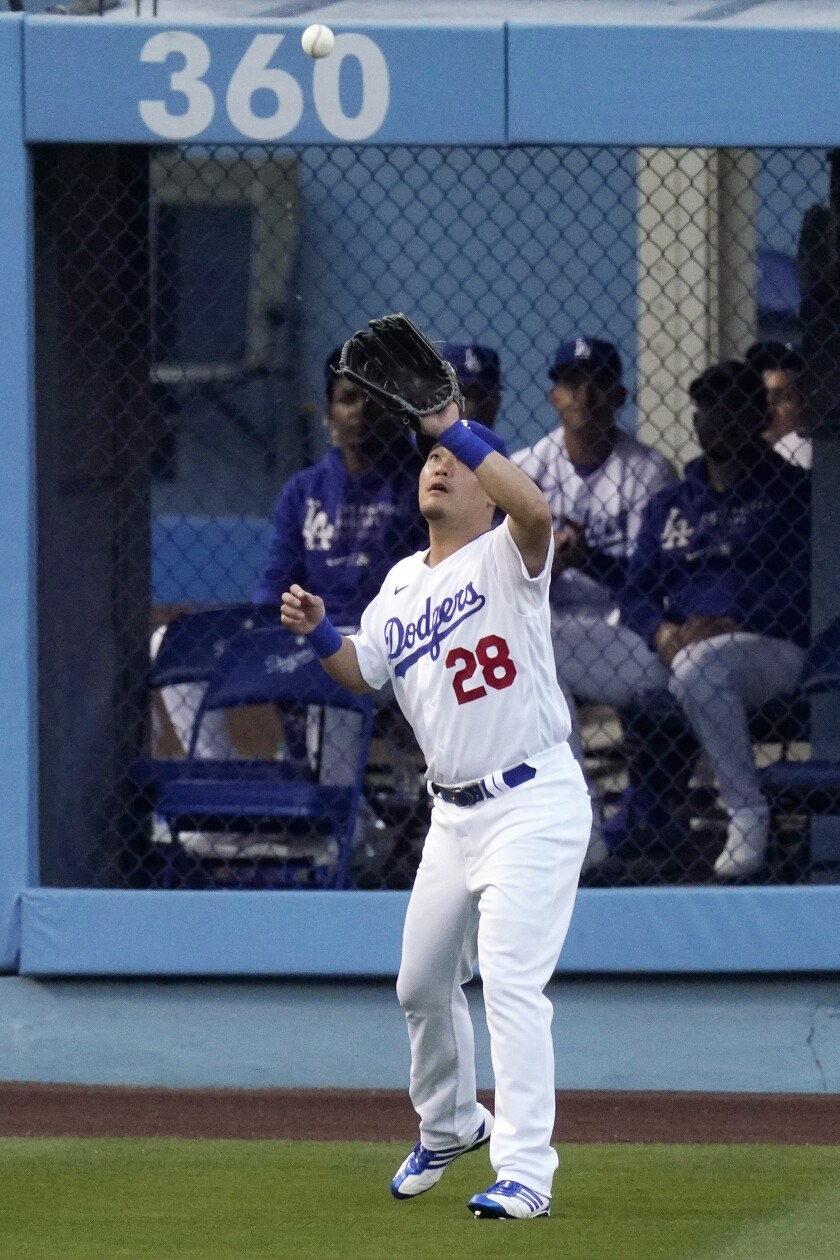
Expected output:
(397, 589)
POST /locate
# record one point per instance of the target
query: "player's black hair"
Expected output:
(733, 386)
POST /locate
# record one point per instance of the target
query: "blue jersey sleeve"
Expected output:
(642, 597)
(777, 602)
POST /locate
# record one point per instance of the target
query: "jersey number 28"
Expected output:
(492, 657)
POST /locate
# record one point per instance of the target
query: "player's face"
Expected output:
(725, 435)
(450, 491)
(481, 404)
(571, 398)
(346, 415)
(784, 402)
(359, 427)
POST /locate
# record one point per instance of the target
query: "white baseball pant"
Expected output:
(717, 683)
(602, 663)
(337, 733)
(496, 884)
(182, 702)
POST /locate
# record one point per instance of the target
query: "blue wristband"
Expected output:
(464, 444)
(325, 639)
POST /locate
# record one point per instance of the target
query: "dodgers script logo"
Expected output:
(432, 626)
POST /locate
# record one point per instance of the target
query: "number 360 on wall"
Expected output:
(278, 89)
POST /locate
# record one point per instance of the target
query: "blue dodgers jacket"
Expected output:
(743, 554)
(338, 535)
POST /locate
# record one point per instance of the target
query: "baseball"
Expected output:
(317, 41)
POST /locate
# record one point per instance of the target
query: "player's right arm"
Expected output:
(302, 613)
(512, 490)
(642, 599)
(528, 513)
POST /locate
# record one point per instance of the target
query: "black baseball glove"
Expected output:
(393, 362)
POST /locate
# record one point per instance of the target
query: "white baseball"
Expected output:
(317, 41)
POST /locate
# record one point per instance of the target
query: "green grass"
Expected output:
(178, 1200)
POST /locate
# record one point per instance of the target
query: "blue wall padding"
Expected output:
(88, 932)
(17, 528)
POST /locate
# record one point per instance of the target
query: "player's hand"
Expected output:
(570, 547)
(667, 641)
(671, 638)
(301, 612)
(435, 424)
(698, 627)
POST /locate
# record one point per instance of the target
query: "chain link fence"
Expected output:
(654, 332)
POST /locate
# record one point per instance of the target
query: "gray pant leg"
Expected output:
(717, 683)
(603, 664)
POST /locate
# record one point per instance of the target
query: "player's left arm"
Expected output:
(513, 492)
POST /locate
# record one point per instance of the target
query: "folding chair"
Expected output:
(189, 652)
(194, 642)
(282, 826)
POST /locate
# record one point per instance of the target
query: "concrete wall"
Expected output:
(744, 1035)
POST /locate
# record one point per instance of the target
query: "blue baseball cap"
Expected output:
(490, 436)
(586, 354)
(473, 364)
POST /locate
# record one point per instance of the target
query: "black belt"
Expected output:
(472, 793)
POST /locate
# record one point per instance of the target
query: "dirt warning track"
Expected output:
(36, 1110)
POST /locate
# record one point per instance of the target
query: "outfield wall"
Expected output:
(744, 1035)
(63, 81)
(18, 755)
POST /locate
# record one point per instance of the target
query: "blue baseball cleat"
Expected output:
(423, 1168)
(509, 1201)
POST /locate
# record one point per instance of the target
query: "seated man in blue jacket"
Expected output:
(718, 587)
(338, 527)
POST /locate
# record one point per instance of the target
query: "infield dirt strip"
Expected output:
(36, 1110)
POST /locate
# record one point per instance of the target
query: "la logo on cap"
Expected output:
(583, 350)
(471, 360)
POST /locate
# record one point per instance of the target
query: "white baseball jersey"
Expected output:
(607, 501)
(467, 645)
(797, 450)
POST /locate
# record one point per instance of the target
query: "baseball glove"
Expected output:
(394, 363)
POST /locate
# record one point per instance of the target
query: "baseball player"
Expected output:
(718, 591)
(462, 631)
(782, 368)
(597, 481)
(479, 376)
